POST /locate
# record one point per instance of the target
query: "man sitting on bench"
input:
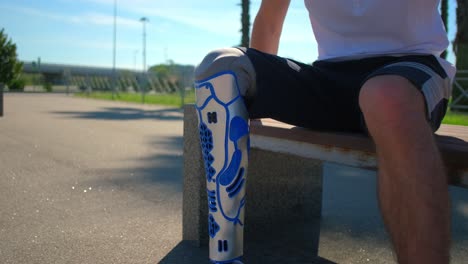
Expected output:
(378, 72)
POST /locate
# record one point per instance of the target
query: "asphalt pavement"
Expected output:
(88, 181)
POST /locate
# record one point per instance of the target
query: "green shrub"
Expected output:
(17, 84)
(47, 87)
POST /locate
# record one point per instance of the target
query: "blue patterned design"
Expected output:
(206, 140)
(234, 184)
(237, 185)
(222, 245)
(233, 177)
(237, 190)
(212, 201)
(212, 117)
(238, 128)
(213, 227)
(230, 173)
(231, 261)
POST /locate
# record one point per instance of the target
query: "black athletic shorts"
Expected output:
(324, 95)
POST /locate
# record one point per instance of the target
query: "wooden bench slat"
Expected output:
(452, 142)
(448, 137)
(271, 128)
(454, 131)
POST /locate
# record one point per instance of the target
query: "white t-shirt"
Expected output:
(361, 28)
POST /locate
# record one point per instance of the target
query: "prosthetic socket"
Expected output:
(224, 137)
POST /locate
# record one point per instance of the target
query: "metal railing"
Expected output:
(460, 101)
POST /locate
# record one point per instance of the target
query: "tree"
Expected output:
(444, 14)
(245, 21)
(161, 70)
(460, 45)
(461, 39)
(11, 68)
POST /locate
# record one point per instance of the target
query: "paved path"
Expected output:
(86, 181)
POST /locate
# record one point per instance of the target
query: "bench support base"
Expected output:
(284, 194)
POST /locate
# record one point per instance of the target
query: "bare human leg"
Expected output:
(412, 185)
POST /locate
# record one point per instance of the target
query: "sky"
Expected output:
(80, 32)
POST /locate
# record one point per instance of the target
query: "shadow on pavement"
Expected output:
(126, 113)
(186, 252)
(156, 176)
(295, 243)
(350, 212)
(459, 214)
(350, 205)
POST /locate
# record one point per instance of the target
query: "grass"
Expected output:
(456, 118)
(174, 99)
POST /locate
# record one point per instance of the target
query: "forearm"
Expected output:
(265, 37)
(268, 25)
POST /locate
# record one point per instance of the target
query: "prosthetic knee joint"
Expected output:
(224, 137)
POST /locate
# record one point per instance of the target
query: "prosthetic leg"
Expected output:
(224, 137)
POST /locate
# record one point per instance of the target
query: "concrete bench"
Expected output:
(286, 164)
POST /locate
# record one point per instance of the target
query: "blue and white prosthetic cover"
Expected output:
(224, 137)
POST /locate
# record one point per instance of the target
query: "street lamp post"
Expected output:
(135, 53)
(144, 20)
(114, 79)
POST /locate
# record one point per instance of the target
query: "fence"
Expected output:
(60, 77)
(461, 85)
(126, 83)
(129, 83)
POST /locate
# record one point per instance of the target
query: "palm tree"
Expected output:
(444, 14)
(461, 39)
(245, 21)
(460, 45)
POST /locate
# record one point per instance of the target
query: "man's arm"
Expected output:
(268, 25)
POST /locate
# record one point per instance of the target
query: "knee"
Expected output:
(390, 100)
(233, 60)
(216, 61)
